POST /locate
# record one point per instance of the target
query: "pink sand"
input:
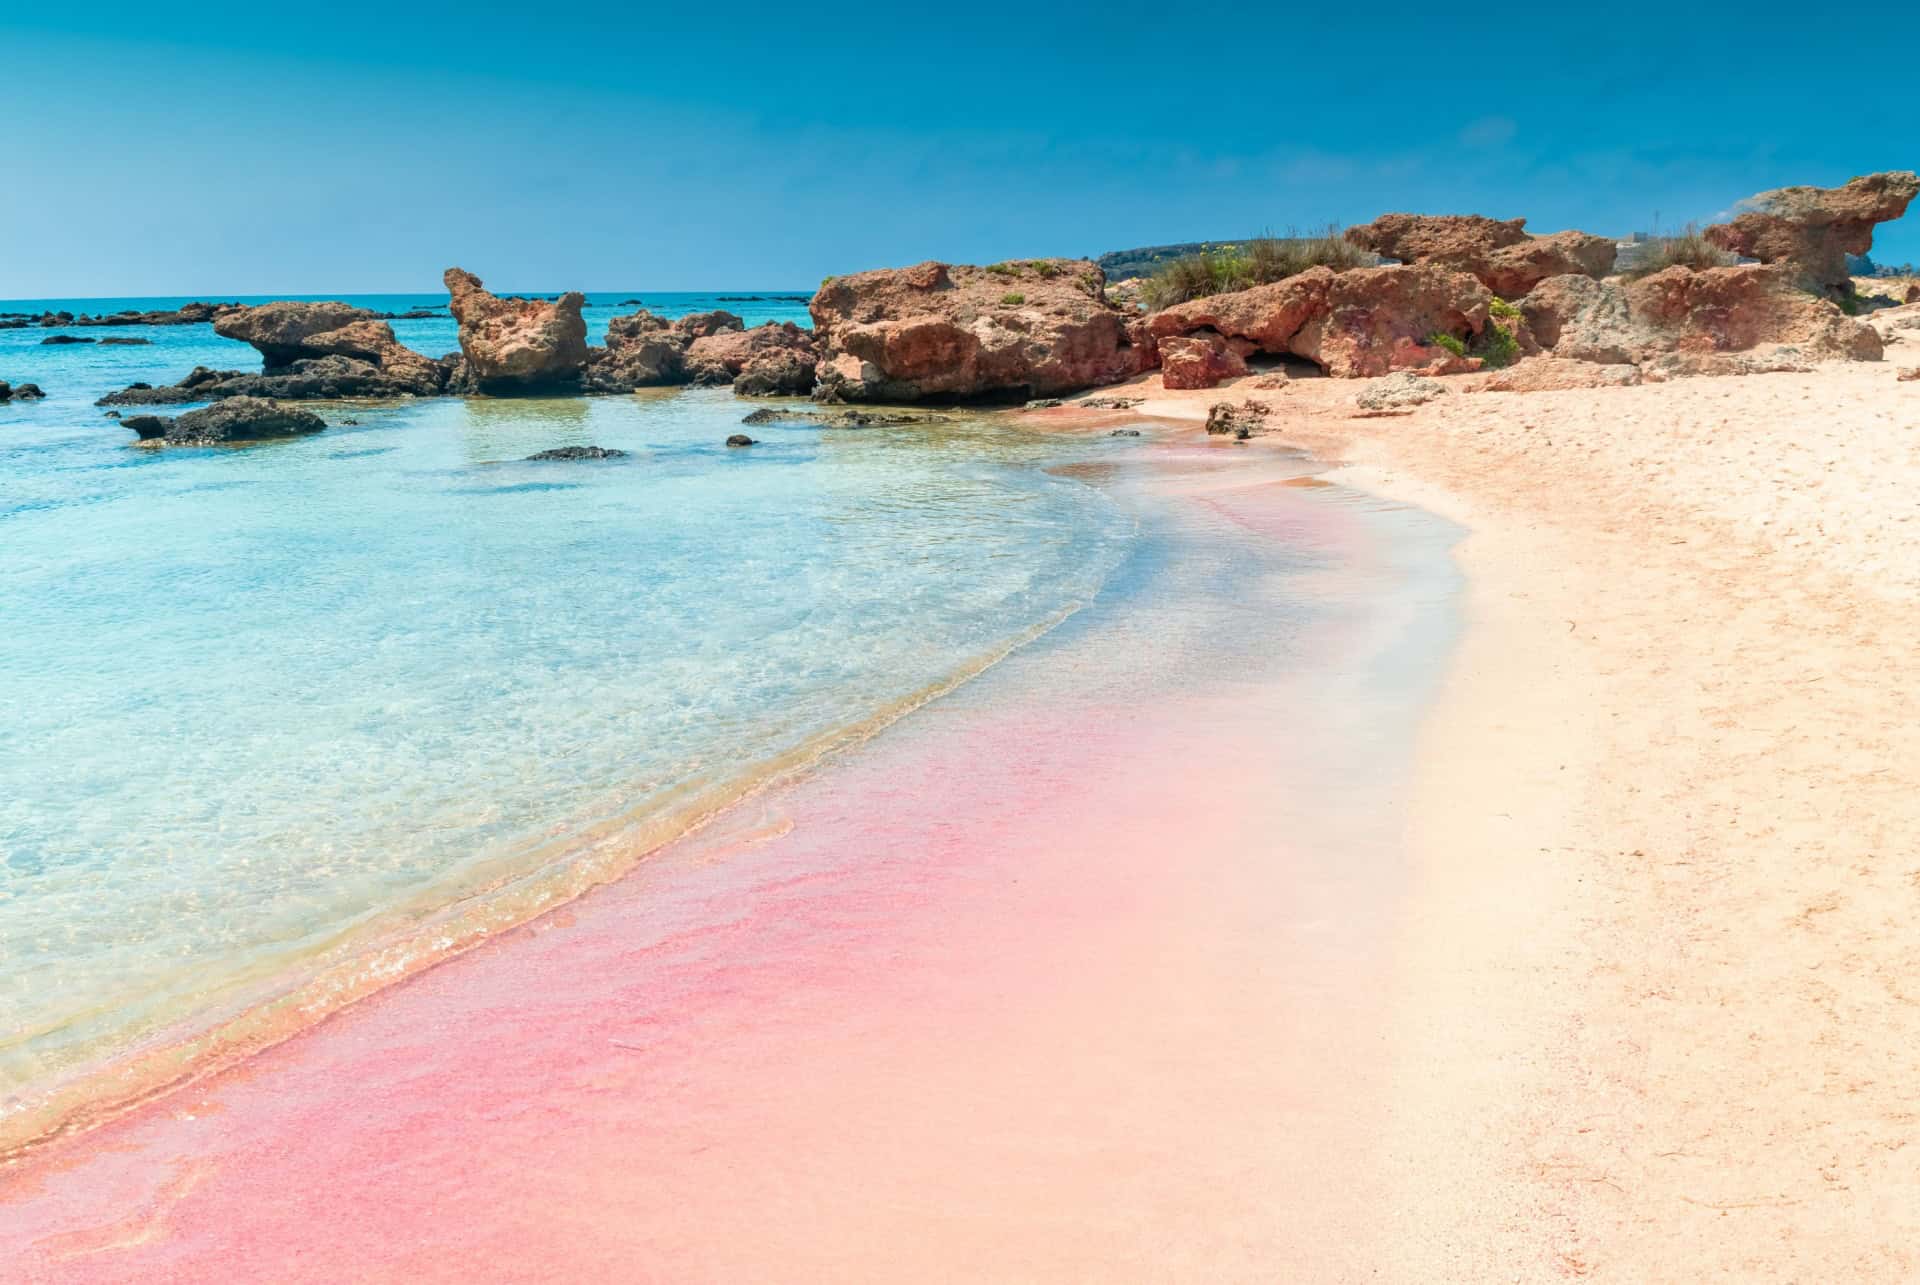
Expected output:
(1069, 976)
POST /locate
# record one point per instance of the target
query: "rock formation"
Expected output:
(1683, 321)
(1500, 252)
(328, 349)
(1361, 322)
(1011, 332)
(186, 314)
(1812, 230)
(1200, 360)
(578, 453)
(517, 345)
(237, 419)
(766, 360)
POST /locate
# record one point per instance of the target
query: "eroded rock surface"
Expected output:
(1811, 230)
(237, 419)
(1357, 323)
(327, 349)
(1011, 331)
(517, 345)
(1203, 360)
(1498, 252)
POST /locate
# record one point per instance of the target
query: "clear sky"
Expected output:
(246, 148)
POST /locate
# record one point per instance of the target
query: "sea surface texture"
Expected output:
(265, 708)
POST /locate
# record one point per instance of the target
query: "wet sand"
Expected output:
(1082, 972)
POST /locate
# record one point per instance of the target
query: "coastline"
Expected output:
(1085, 953)
(1651, 1007)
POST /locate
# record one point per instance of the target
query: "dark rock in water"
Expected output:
(740, 439)
(113, 414)
(630, 303)
(1124, 432)
(1043, 403)
(148, 395)
(28, 393)
(236, 419)
(125, 341)
(67, 339)
(579, 453)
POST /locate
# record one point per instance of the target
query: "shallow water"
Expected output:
(259, 702)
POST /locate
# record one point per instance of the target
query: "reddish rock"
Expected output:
(1500, 252)
(768, 359)
(1019, 330)
(1680, 311)
(1199, 361)
(643, 351)
(514, 344)
(1812, 230)
(1242, 421)
(1351, 324)
(699, 325)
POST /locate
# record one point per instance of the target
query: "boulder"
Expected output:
(1201, 360)
(1241, 421)
(1009, 332)
(1695, 314)
(517, 345)
(699, 325)
(1398, 393)
(769, 359)
(1356, 323)
(643, 351)
(28, 393)
(237, 419)
(1499, 252)
(1810, 231)
(739, 439)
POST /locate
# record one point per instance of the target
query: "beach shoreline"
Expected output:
(1652, 1016)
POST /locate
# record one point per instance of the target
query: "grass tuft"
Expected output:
(1688, 250)
(1256, 263)
(1013, 299)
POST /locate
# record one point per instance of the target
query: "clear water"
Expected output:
(251, 699)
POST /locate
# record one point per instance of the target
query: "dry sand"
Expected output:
(1658, 993)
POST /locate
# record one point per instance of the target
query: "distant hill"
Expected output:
(1146, 260)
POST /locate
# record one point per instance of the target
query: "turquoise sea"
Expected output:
(265, 709)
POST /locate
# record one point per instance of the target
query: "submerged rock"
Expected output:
(843, 418)
(517, 345)
(125, 341)
(1124, 432)
(67, 339)
(237, 419)
(579, 453)
(1811, 230)
(740, 439)
(1012, 331)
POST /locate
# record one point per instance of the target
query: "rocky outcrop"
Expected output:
(308, 379)
(1499, 252)
(1680, 320)
(1202, 360)
(1358, 323)
(328, 349)
(54, 340)
(1012, 331)
(238, 419)
(766, 360)
(517, 345)
(187, 314)
(842, 418)
(642, 351)
(1811, 230)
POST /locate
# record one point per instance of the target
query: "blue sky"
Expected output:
(244, 149)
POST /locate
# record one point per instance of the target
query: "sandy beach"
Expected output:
(1656, 1010)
